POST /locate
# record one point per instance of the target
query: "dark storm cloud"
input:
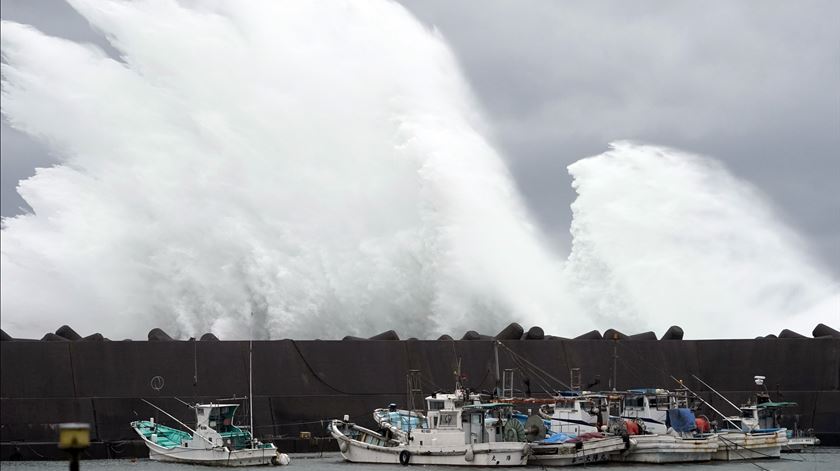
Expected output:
(754, 84)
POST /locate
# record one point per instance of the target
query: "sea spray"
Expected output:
(318, 169)
(315, 167)
(662, 235)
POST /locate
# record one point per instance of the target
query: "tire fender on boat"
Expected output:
(470, 454)
(342, 445)
(405, 457)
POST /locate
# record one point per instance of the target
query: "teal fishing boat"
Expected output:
(215, 440)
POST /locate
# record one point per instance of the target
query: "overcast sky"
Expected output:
(755, 84)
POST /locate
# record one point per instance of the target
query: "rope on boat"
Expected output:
(519, 359)
(735, 449)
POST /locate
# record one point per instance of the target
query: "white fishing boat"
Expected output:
(214, 441)
(656, 448)
(755, 432)
(587, 448)
(451, 433)
(560, 449)
(798, 442)
(660, 428)
(752, 435)
(739, 445)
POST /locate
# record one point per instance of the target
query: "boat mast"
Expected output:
(496, 392)
(615, 362)
(251, 378)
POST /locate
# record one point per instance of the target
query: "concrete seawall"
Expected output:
(300, 384)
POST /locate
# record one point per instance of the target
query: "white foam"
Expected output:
(318, 169)
(663, 236)
(318, 164)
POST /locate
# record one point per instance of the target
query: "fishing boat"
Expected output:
(560, 449)
(215, 440)
(753, 435)
(565, 450)
(643, 417)
(451, 432)
(755, 432)
(799, 441)
(683, 443)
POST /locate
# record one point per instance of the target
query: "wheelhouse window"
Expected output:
(221, 419)
(635, 402)
(435, 405)
(448, 419)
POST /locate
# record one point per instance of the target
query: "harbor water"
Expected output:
(816, 460)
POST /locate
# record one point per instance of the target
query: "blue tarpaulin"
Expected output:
(682, 420)
(557, 438)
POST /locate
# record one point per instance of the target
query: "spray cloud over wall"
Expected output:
(319, 169)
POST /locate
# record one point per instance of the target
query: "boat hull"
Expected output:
(478, 454)
(570, 454)
(219, 456)
(733, 446)
(797, 444)
(668, 449)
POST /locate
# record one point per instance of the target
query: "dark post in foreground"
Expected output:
(74, 437)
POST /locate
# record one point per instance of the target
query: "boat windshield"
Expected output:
(221, 419)
(635, 402)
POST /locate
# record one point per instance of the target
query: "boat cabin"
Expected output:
(575, 412)
(650, 406)
(218, 417)
(444, 411)
(215, 423)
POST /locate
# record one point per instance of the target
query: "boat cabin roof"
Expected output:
(487, 406)
(210, 405)
(648, 391)
(766, 405)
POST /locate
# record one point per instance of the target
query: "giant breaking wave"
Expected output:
(316, 169)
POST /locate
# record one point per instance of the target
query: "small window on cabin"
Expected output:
(448, 419)
(635, 402)
(435, 405)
